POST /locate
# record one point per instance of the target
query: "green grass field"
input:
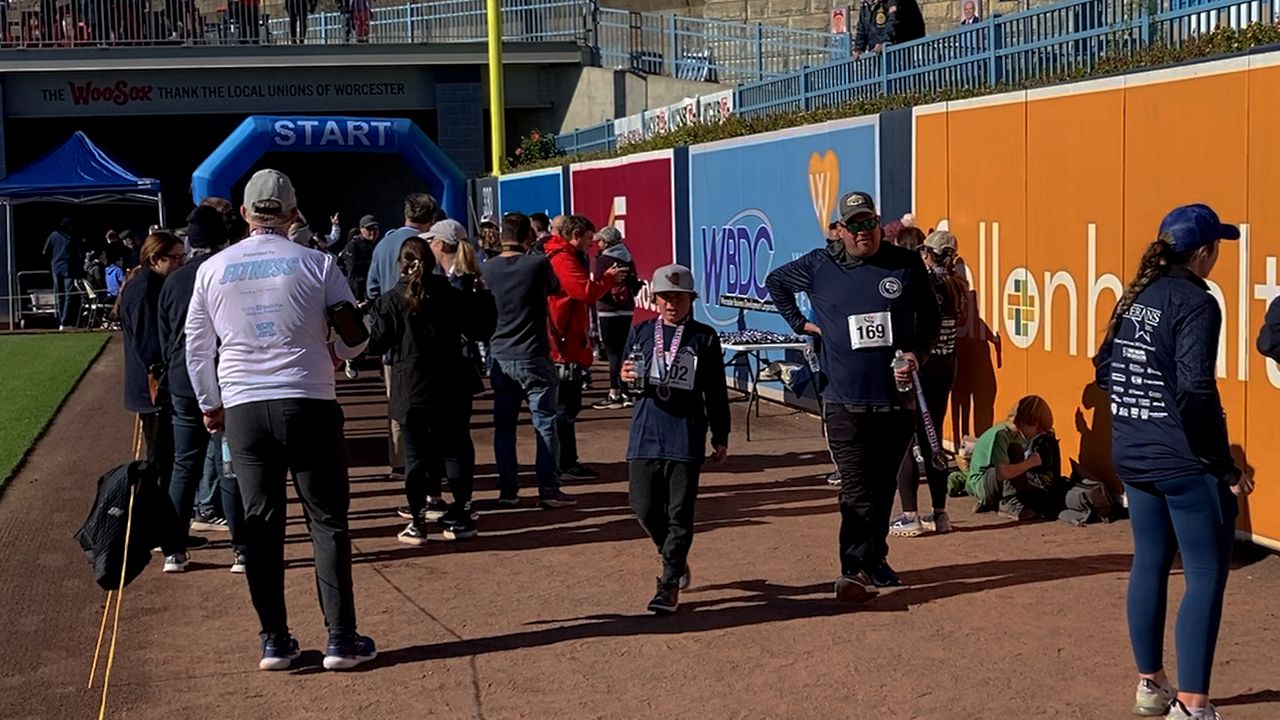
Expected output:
(36, 373)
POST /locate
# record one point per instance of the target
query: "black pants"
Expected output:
(437, 444)
(567, 411)
(937, 376)
(614, 330)
(297, 20)
(157, 433)
(868, 448)
(269, 439)
(662, 494)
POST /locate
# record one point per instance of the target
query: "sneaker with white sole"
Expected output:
(834, 479)
(209, 523)
(462, 528)
(608, 403)
(937, 522)
(237, 562)
(666, 600)
(1152, 699)
(351, 371)
(347, 652)
(435, 510)
(176, 563)
(279, 654)
(1178, 711)
(906, 526)
(413, 534)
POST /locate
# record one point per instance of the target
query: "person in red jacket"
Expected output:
(569, 324)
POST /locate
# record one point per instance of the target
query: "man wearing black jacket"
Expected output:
(870, 300)
(206, 234)
(886, 22)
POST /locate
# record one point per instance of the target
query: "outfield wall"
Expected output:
(1052, 193)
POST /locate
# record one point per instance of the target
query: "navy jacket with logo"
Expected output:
(1160, 372)
(175, 297)
(838, 286)
(676, 428)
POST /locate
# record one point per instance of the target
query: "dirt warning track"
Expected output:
(543, 616)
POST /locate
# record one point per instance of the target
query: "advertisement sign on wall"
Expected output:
(532, 192)
(759, 204)
(484, 198)
(1050, 236)
(637, 196)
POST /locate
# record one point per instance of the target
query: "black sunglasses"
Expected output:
(868, 225)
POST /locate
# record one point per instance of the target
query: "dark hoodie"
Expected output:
(621, 300)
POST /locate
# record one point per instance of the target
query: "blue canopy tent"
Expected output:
(77, 172)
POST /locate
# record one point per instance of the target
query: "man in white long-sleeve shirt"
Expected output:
(260, 356)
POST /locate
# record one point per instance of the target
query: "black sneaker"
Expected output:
(278, 653)
(209, 523)
(458, 513)
(404, 512)
(608, 403)
(559, 500)
(687, 578)
(855, 587)
(413, 534)
(579, 471)
(435, 510)
(345, 653)
(884, 576)
(397, 473)
(463, 528)
(195, 541)
(509, 500)
(666, 600)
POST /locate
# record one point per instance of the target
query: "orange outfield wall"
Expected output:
(1054, 194)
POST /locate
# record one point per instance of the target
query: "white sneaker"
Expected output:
(176, 563)
(1152, 699)
(1178, 711)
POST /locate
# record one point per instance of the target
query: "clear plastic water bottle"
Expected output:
(900, 363)
(637, 362)
(226, 459)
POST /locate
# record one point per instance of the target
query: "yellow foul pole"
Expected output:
(497, 120)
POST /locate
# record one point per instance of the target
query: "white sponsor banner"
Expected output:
(713, 108)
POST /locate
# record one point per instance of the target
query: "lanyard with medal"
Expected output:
(665, 359)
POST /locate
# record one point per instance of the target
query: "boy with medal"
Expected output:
(681, 394)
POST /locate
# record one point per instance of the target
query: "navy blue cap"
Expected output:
(1193, 226)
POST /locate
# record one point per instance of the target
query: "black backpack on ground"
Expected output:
(102, 536)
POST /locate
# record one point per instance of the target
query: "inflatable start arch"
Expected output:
(261, 134)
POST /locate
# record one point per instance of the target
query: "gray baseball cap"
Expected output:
(450, 231)
(269, 199)
(672, 279)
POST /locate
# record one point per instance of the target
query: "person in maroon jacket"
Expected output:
(569, 324)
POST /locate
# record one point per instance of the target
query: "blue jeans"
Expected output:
(535, 381)
(208, 502)
(190, 445)
(1195, 515)
(68, 299)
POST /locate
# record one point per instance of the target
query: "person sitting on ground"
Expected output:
(681, 396)
(1017, 488)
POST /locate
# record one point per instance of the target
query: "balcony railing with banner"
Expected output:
(689, 48)
(1043, 44)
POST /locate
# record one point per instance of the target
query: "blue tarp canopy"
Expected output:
(76, 171)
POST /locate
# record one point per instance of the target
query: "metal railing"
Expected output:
(1059, 41)
(689, 48)
(710, 50)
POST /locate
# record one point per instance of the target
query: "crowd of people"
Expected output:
(137, 22)
(234, 332)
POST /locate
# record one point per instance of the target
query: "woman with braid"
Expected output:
(1170, 448)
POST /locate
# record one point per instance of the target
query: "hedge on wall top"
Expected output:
(1221, 41)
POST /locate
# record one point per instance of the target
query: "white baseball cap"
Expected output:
(672, 279)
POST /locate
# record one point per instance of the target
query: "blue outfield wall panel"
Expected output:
(532, 192)
(759, 202)
(895, 195)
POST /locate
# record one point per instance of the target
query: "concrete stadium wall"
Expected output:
(1053, 194)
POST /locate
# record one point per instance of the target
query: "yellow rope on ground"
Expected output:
(115, 626)
(106, 609)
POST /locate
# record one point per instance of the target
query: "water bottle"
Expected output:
(900, 363)
(226, 459)
(637, 362)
